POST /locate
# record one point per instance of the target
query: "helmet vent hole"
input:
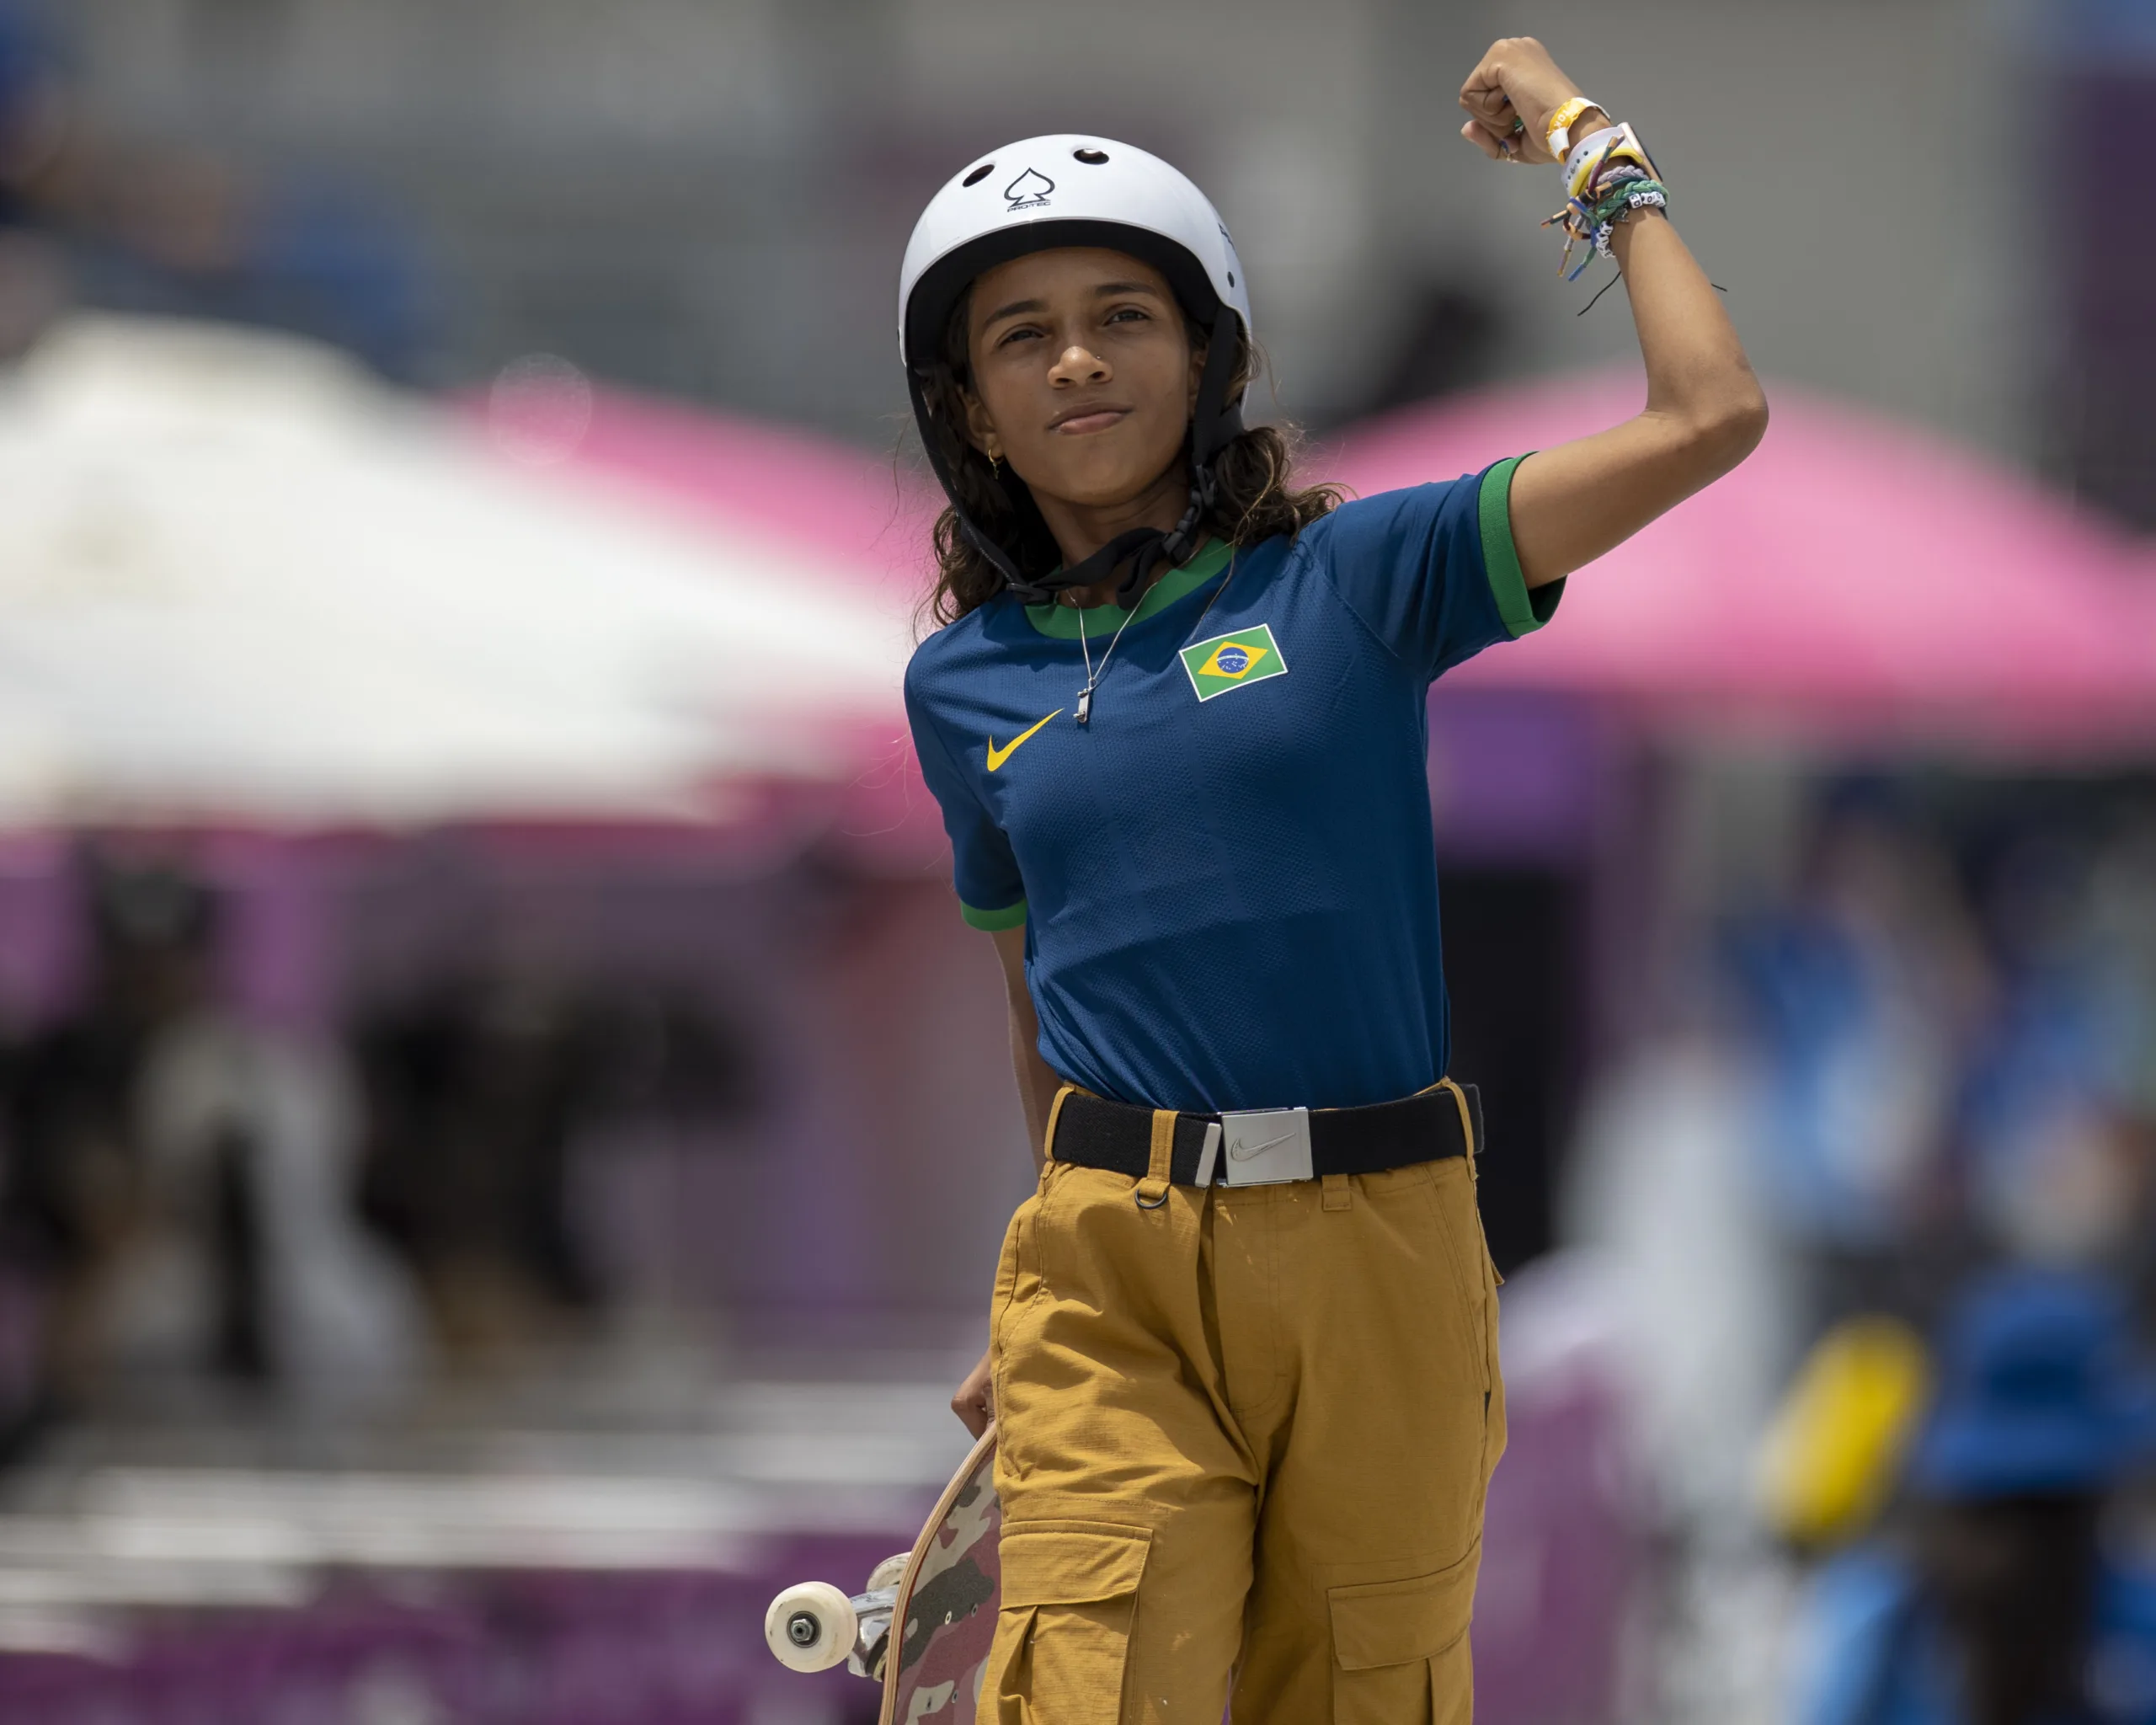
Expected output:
(979, 175)
(1231, 278)
(1091, 158)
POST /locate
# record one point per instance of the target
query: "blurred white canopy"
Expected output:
(240, 580)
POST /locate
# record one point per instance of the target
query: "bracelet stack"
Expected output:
(1607, 175)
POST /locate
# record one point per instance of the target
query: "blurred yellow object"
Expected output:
(1835, 1443)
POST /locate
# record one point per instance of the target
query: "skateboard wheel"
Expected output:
(810, 1627)
(889, 1574)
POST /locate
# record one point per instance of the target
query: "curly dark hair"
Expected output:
(1254, 500)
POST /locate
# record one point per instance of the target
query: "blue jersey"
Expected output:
(1228, 878)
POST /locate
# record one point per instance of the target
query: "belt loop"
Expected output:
(1337, 1193)
(1466, 1121)
(1054, 1114)
(1153, 1190)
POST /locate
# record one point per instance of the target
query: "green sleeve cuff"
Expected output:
(994, 921)
(1524, 612)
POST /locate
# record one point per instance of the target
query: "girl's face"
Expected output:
(1083, 377)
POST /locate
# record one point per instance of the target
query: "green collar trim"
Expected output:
(1067, 623)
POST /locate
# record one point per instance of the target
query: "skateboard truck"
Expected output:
(813, 1626)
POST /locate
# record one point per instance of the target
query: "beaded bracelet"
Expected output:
(1639, 195)
(1607, 175)
(1590, 224)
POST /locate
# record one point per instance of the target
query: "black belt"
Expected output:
(1093, 1132)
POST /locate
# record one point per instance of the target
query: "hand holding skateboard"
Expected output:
(941, 1599)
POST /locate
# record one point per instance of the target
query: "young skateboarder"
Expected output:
(1243, 1351)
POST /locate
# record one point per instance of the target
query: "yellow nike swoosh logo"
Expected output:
(997, 756)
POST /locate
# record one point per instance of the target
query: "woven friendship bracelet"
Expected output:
(1641, 194)
(1591, 224)
(1607, 175)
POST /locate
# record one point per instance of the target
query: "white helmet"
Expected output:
(1071, 189)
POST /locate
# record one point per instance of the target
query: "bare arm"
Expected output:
(974, 1400)
(1704, 411)
(1038, 1082)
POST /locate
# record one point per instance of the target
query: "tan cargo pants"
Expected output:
(1245, 1433)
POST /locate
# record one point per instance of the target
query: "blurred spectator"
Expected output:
(1863, 992)
(37, 124)
(1833, 1452)
(163, 229)
(1995, 1601)
(2057, 1125)
(479, 1092)
(182, 1178)
(474, 1094)
(179, 233)
(1660, 1182)
(35, 113)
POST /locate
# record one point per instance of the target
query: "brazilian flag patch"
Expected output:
(1229, 661)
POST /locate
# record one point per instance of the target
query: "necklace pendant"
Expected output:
(1085, 705)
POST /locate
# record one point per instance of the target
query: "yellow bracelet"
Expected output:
(1558, 136)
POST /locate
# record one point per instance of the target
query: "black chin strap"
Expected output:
(1213, 425)
(1144, 547)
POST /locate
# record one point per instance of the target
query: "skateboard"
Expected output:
(940, 1598)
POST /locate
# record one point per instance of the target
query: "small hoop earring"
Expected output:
(996, 467)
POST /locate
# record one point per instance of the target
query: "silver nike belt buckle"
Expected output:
(1265, 1146)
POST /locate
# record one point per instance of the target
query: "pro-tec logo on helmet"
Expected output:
(1029, 191)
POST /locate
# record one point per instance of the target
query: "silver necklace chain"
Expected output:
(1093, 677)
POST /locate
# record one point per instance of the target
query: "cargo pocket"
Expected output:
(1069, 1594)
(1400, 1650)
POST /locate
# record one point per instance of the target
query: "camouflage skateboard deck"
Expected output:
(944, 1616)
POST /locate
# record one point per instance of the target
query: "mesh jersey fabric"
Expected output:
(1228, 879)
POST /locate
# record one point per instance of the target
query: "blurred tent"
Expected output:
(857, 522)
(242, 582)
(1853, 578)
(866, 515)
